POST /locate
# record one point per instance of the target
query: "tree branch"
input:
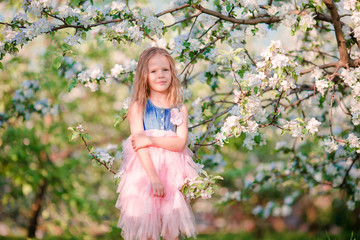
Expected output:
(344, 57)
(253, 21)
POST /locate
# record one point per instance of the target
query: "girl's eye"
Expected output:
(153, 71)
(166, 69)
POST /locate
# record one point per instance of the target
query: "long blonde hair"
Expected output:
(141, 89)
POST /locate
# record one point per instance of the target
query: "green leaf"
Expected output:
(57, 62)
(83, 35)
(76, 2)
(117, 120)
(257, 139)
(217, 177)
(69, 20)
(2, 66)
(74, 135)
(185, 189)
(117, 180)
(72, 84)
(300, 120)
(87, 136)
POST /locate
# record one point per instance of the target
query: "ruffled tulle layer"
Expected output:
(142, 215)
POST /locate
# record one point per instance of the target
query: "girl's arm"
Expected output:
(176, 143)
(136, 127)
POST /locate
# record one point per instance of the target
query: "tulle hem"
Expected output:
(143, 215)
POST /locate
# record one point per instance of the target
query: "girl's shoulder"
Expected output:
(135, 108)
(182, 108)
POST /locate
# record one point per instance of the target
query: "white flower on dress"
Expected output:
(176, 117)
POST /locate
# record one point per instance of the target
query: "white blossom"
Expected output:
(321, 85)
(92, 85)
(73, 40)
(353, 141)
(257, 210)
(317, 73)
(194, 44)
(125, 104)
(273, 10)
(307, 21)
(330, 145)
(313, 125)
(279, 61)
(91, 11)
(9, 34)
(350, 205)
(253, 104)
(285, 210)
(2, 48)
(350, 5)
(197, 115)
(155, 26)
(117, 5)
(96, 72)
(355, 18)
(289, 21)
(66, 11)
(294, 127)
(219, 138)
(116, 70)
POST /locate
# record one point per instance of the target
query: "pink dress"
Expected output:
(142, 215)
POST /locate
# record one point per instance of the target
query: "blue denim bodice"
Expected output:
(157, 118)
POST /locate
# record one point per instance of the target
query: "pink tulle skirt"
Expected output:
(142, 215)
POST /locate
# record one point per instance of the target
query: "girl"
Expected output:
(156, 160)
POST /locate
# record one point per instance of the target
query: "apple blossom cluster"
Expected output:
(129, 30)
(354, 142)
(197, 110)
(70, 68)
(282, 207)
(230, 196)
(321, 83)
(91, 77)
(122, 114)
(307, 21)
(253, 139)
(124, 73)
(201, 186)
(298, 128)
(350, 5)
(194, 137)
(122, 23)
(273, 209)
(355, 17)
(351, 78)
(103, 155)
(80, 128)
(25, 102)
(284, 71)
(330, 145)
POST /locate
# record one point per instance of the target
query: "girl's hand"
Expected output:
(157, 187)
(140, 140)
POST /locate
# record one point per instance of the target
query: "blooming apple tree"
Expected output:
(305, 93)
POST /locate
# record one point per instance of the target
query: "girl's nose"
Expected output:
(161, 74)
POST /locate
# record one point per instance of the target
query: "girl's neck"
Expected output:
(159, 99)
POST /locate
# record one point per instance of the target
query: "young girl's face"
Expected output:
(159, 74)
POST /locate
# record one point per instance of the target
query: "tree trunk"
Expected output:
(36, 209)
